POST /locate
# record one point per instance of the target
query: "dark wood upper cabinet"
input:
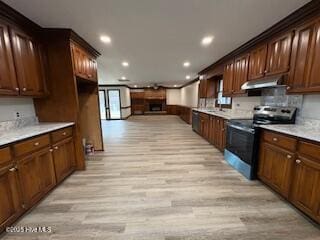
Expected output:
(279, 53)
(271, 58)
(8, 80)
(85, 65)
(29, 67)
(207, 88)
(257, 62)
(228, 76)
(241, 65)
(202, 89)
(305, 61)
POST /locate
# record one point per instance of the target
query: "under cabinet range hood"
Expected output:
(268, 82)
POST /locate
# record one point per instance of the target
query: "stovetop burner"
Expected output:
(268, 115)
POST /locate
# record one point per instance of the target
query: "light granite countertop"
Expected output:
(18, 134)
(226, 114)
(297, 130)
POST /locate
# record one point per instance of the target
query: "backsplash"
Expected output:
(307, 105)
(16, 112)
(18, 123)
(278, 97)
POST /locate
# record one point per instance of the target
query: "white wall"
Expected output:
(311, 107)
(173, 96)
(9, 106)
(124, 97)
(189, 95)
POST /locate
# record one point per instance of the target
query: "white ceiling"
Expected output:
(157, 36)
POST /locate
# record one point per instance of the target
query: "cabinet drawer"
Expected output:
(280, 140)
(61, 134)
(31, 145)
(5, 156)
(309, 150)
(204, 116)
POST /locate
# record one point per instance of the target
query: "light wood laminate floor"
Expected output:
(158, 180)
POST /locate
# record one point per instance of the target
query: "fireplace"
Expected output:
(155, 107)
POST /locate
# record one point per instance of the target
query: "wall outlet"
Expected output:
(18, 115)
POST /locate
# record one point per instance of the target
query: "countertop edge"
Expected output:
(290, 133)
(34, 134)
(225, 116)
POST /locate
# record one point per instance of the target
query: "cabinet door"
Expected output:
(279, 53)
(217, 133)
(28, 170)
(228, 76)
(223, 134)
(275, 167)
(240, 73)
(257, 62)
(212, 129)
(10, 207)
(46, 170)
(29, 67)
(63, 156)
(306, 187)
(8, 80)
(304, 75)
(202, 88)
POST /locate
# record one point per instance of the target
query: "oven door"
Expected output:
(241, 142)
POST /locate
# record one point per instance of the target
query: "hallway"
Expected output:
(159, 180)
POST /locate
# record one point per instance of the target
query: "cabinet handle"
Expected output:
(17, 89)
(36, 144)
(56, 147)
(298, 161)
(24, 89)
(23, 206)
(64, 133)
(13, 169)
(289, 156)
(50, 150)
(275, 139)
(288, 88)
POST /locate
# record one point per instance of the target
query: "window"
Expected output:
(225, 102)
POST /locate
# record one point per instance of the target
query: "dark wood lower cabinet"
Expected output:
(293, 174)
(29, 180)
(275, 167)
(26, 179)
(10, 207)
(63, 154)
(204, 125)
(213, 129)
(37, 176)
(306, 187)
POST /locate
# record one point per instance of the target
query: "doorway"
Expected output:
(114, 104)
(103, 104)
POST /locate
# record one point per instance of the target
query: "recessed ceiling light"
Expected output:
(105, 39)
(125, 64)
(186, 64)
(207, 40)
(135, 86)
(188, 77)
(148, 85)
(175, 85)
(123, 78)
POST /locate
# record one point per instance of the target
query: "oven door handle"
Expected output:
(252, 131)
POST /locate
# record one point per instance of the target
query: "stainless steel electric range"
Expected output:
(243, 137)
